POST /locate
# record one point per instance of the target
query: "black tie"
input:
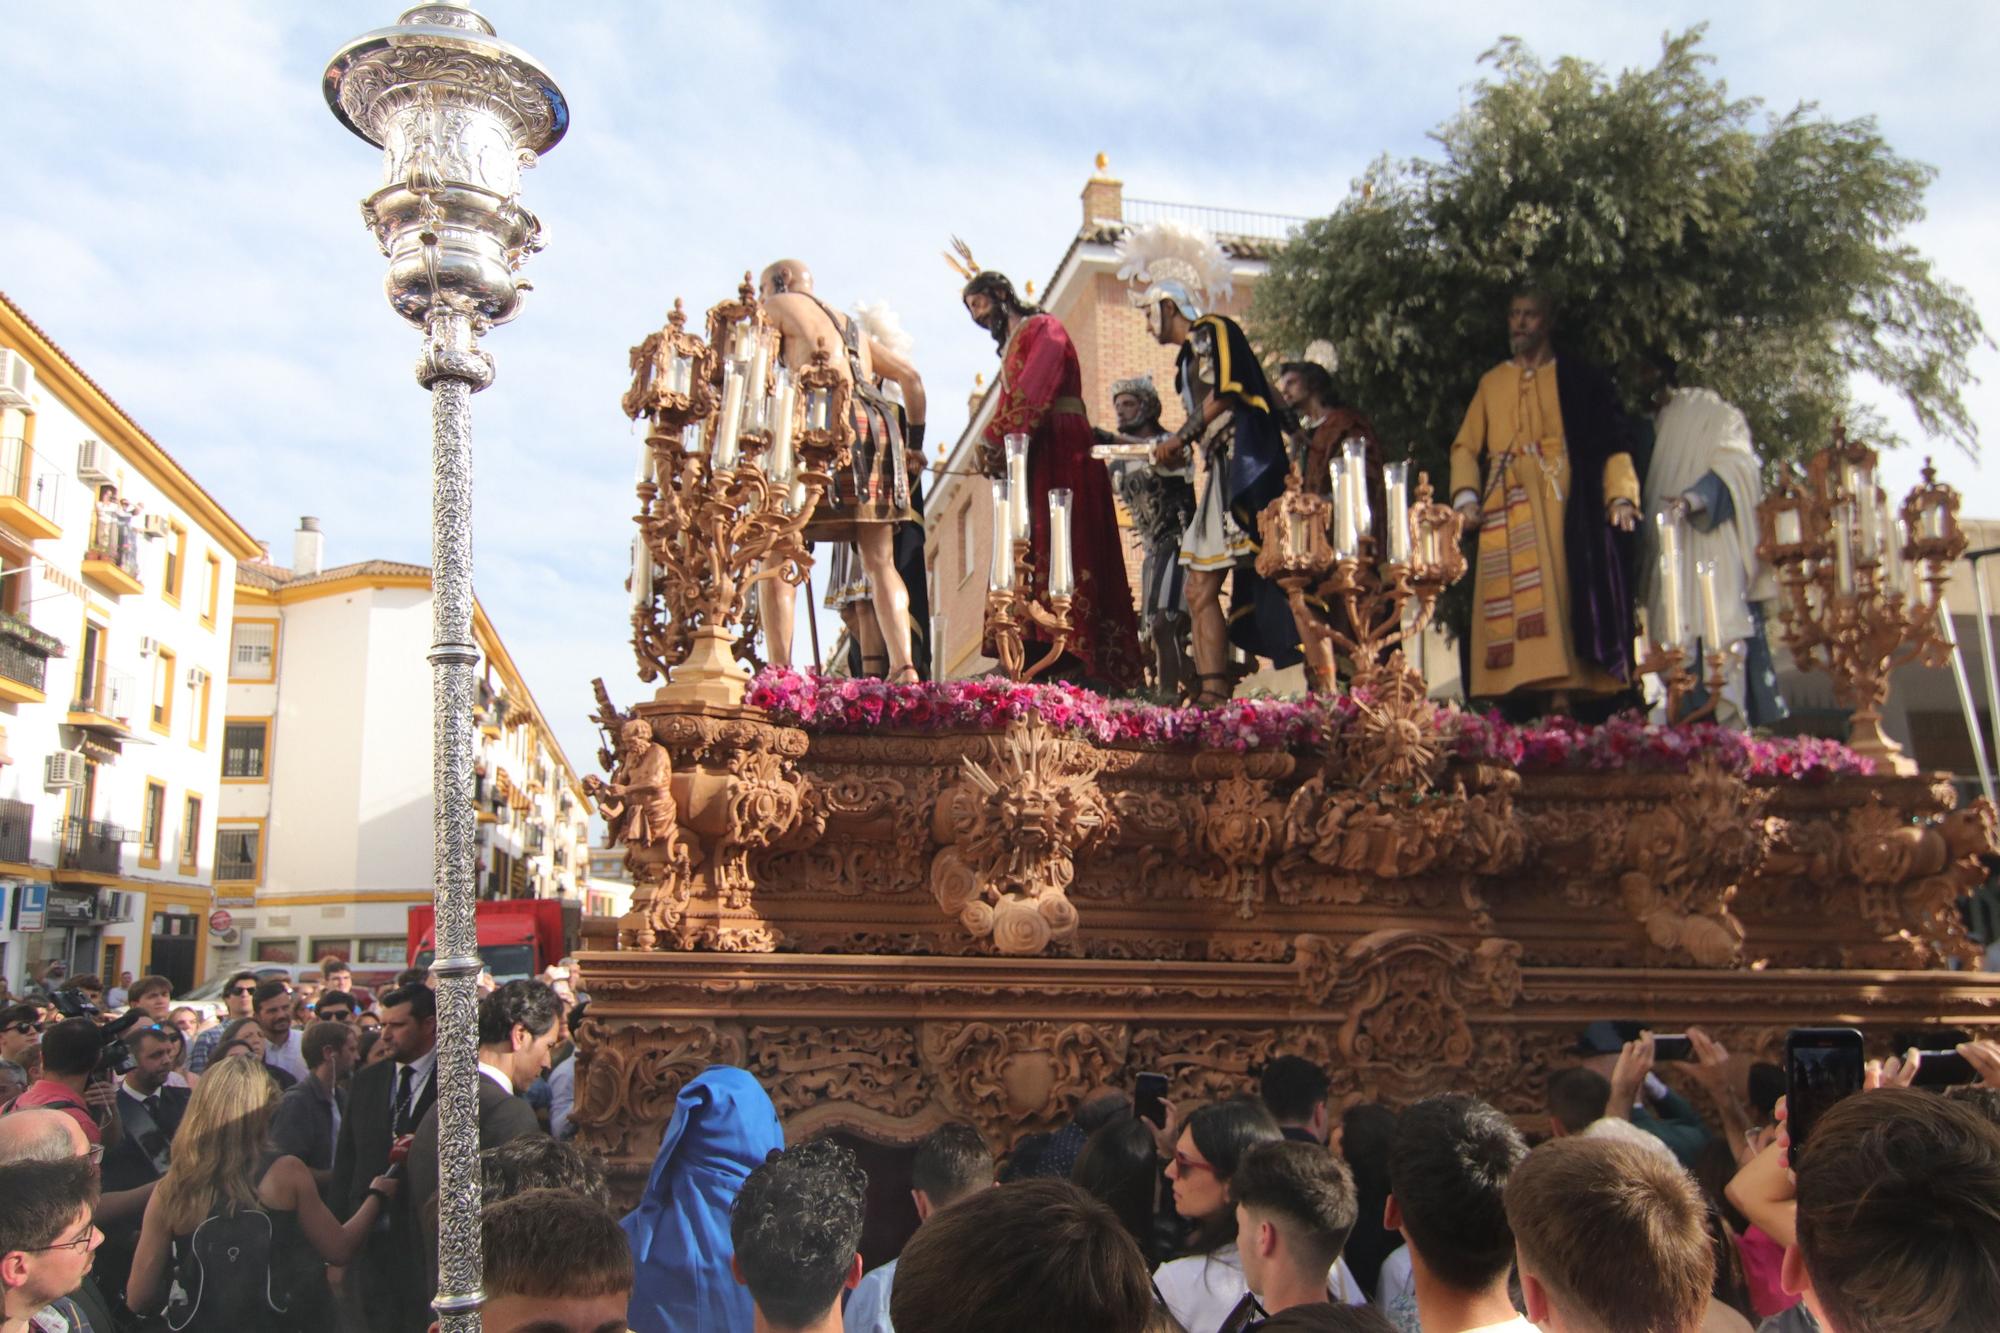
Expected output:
(153, 1107)
(401, 1118)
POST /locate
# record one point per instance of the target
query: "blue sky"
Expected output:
(182, 214)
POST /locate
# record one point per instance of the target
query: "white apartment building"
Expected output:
(324, 819)
(117, 589)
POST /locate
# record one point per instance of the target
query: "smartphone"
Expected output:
(1675, 1047)
(1822, 1065)
(1942, 1069)
(1149, 1099)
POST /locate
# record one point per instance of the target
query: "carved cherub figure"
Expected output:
(638, 802)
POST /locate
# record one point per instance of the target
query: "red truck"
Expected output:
(517, 937)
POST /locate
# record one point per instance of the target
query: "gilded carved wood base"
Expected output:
(888, 1047)
(893, 930)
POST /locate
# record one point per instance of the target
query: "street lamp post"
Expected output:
(458, 115)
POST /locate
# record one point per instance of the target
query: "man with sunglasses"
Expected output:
(48, 1242)
(238, 993)
(149, 1113)
(20, 1033)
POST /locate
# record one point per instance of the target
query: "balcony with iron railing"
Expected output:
(112, 560)
(24, 660)
(30, 491)
(17, 827)
(93, 846)
(104, 702)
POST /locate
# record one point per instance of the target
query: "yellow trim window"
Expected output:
(246, 749)
(163, 690)
(239, 852)
(176, 563)
(190, 834)
(152, 825)
(253, 651)
(213, 598)
(199, 686)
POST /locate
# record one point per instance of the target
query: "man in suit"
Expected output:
(518, 1024)
(150, 1114)
(386, 1102)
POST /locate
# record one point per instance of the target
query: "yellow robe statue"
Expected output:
(1521, 610)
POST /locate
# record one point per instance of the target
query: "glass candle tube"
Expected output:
(1396, 477)
(680, 374)
(819, 409)
(781, 463)
(1062, 573)
(1345, 544)
(1017, 482)
(1001, 575)
(1711, 612)
(642, 574)
(723, 448)
(1668, 529)
(1843, 547)
(645, 463)
(1786, 529)
(1356, 452)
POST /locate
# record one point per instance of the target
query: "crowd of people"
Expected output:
(286, 1181)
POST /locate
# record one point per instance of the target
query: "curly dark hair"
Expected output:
(538, 1162)
(532, 1004)
(999, 289)
(796, 1227)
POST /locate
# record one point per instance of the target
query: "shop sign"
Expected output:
(31, 906)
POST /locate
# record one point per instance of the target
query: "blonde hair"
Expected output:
(219, 1148)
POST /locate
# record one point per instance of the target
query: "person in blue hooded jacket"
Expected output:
(723, 1128)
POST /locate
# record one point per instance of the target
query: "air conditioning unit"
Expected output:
(17, 381)
(147, 647)
(94, 462)
(196, 678)
(156, 525)
(65, 768)
(226, 939)
(120, 907)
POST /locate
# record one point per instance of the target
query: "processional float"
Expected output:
(898, 905)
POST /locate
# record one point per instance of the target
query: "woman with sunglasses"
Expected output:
(236, 1237)
(1206, 1287)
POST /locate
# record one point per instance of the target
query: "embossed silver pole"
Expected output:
(458, 115)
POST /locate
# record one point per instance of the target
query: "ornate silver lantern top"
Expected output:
(458, 114)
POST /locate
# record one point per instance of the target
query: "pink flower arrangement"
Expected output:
(832, 704)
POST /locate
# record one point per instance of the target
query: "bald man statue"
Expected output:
(872, 494)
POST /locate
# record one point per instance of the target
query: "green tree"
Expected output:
(1763, 252)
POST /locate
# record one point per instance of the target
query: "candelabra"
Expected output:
(737, 454)
(1669, 655)
(458, 115)
(1318, 549)
(1861, 585)
(1013, 607)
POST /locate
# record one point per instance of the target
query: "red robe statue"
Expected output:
(1041, 396)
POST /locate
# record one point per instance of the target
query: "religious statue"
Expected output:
(872, 494)
(1160, 501)
(849, 590)
(1556, 513)
(638, 802)
(1704, 469)
(1040, 395)
(1232, 424)
(1322, 424)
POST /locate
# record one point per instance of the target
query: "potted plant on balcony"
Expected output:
(18, 629)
